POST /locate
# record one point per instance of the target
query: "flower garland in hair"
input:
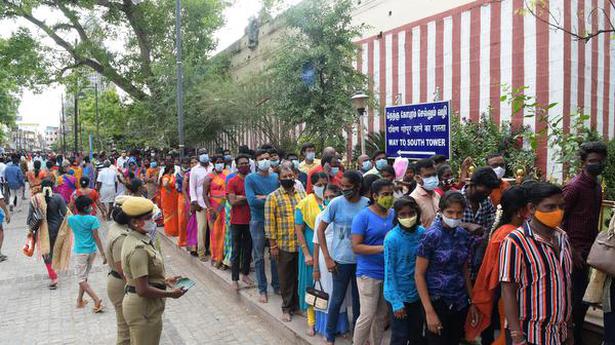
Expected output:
(498, 217)
(47, 191)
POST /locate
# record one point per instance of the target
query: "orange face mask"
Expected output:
(551, 219)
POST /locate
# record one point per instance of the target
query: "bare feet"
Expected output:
(286, 317)
(235, 285)
(81, 304)
(246, 280)
(299, 313)
(310, 331)
(263, 298)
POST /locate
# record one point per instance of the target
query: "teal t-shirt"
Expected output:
(82, 226)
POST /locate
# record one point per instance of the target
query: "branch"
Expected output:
(135, 19)
(74, 21)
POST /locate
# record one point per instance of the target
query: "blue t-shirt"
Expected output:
(82, 226)
(340, 214)
(257, 184)
(373, 228)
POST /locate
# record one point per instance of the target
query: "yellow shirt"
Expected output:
(305, 167)
(280, 218)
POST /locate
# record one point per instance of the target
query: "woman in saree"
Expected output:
(215, 199)
(305, 218)
(66, 183)
(35, 177)
(84, 189)
(168, 200)
(182, 219)
(191, 224)
(151, 181)
(53, 237)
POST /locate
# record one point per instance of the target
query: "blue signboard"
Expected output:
(418, 131)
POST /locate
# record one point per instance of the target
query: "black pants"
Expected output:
(411, 328)
(453, 323)
(580, 280)
(242, 250)
(288, 267)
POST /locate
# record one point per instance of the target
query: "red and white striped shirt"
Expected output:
(543, 277)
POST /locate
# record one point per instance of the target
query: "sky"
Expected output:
(45, 108)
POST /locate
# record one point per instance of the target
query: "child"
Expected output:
(85, 230)
(400, 247)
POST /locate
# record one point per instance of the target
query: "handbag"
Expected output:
(602, 253)
(36, 218)
(595, 288)
(317, 298)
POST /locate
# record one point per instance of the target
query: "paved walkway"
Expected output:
(32, 314)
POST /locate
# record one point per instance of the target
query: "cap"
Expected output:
(137, 206)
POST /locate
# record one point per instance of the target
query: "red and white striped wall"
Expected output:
(468, 52)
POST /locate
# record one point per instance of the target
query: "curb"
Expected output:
(288, 331)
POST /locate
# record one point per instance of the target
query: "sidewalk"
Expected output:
(269, 312)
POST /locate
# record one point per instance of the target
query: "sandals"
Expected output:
(82, 304)
(98, 307)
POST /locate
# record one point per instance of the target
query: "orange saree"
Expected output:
(182, 220)
(168, 200)
(217, 219)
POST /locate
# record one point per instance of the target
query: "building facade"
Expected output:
(51, 136)
(468, 51)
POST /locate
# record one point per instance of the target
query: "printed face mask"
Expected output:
(386, 202)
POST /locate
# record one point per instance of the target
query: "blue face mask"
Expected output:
(153, 165)
(430, 183)
(264, 164)
(295, 163)
(381, 163)
(204, 158)
(310, 156)
(325, 202)
(275, 163)
(219, 167)
(228, 158)
(366, 166)
(335, 171)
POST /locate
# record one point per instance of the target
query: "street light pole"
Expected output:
(180, 80)
(63, 128)
(97, 118)
(75, 122)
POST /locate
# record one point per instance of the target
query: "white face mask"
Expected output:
(407, 222)
(451, 222)
(151, 228)
(499, 171)
(319, 191)
(264, 165)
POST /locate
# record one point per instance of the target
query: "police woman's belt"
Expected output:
(132, 289)
(115, 274)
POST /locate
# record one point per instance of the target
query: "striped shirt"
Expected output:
(543, 278)
(280, 218)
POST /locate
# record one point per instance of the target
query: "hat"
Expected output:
(137, 206)
(120, 199)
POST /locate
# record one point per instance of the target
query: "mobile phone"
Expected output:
(185, 283)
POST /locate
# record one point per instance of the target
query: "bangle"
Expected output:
(516, 334)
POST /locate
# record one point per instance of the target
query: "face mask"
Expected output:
(335, 171)
(451, 222)
(153, 154)
(287, 183)
(381, 163)
(228, 158)
(326, 202)
(386, 202)
(204, 158)
(366, 166)
(407, 222)
(219, 167)
(430, 183)
(264, 165)
(551, 219)
(275, 163)
(244, 169)
(348, 193)
(153, 165)
(448, 182)
(152, 229)
(310, 156)
(319, 191)
(295, 163)
(499, 172)
(595, 168)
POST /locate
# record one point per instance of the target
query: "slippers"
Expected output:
(81, 305)
(98, 307)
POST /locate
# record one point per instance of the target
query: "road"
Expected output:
(30, 313)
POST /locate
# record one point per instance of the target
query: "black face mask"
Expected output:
(287, 183)
(595, 168)
(348, 193)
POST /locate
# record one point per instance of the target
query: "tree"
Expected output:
(540, 10)
(312, 76)
(144, 66)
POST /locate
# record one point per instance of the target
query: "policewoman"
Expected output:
(146, 286)
(118, 231)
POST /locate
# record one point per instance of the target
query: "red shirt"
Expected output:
(336, 180)
(240, 214)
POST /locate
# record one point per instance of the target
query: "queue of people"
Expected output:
(393, 244)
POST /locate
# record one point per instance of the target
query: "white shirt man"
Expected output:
(198, 175)
(107, 177)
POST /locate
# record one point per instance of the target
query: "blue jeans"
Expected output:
(257, 231)
(346, 274)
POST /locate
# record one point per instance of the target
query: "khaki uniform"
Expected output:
(115, 286)
(143, 315)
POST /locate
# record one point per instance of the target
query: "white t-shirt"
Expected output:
(2, 168)
(107, 177)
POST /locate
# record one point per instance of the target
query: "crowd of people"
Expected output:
(395, 244)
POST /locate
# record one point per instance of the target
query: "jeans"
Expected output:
(580, 280)
(453, 323)
(409, 329)
(345, 275)
(242, 250)
(257, 231)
